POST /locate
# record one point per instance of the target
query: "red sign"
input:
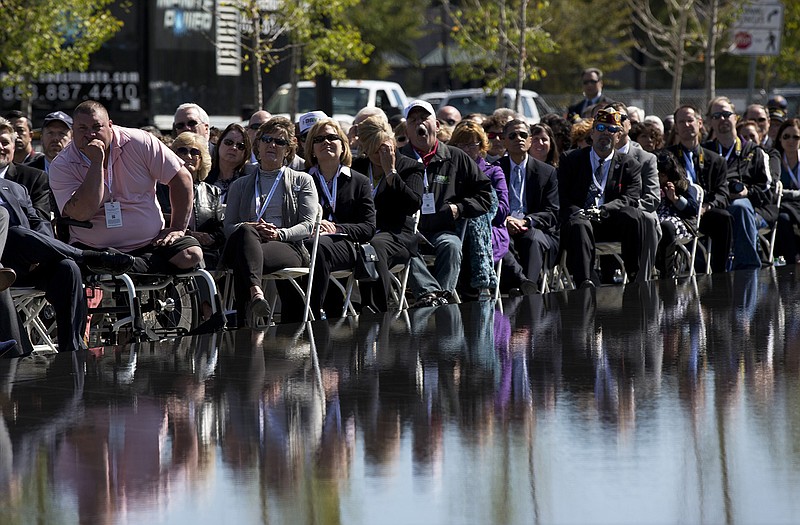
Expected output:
(742, 39)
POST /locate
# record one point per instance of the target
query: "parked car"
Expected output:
(478, 101)
(434, 97)
(349, 96)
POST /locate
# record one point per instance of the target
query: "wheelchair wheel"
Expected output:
(173, 310)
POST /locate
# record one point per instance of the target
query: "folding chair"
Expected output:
(692, 241)
(766, 235)
(293, 274)
(400, 283)
(30, 303)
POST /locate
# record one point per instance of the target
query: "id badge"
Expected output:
(113, 214)
(428, 207)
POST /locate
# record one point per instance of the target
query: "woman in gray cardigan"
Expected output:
(269, 213)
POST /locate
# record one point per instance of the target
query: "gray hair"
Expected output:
(191, 105)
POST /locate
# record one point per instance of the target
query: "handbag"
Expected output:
(366, 257)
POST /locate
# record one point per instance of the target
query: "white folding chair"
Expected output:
(29, 303)
(400, 283)
(766, 235)
(294, 274)
(692, 241)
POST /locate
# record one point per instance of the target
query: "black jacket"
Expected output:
(712, 174)
(355, 209)
(35, 181)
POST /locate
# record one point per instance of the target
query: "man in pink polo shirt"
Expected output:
(108, 176)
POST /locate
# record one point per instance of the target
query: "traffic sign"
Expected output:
(758, 30)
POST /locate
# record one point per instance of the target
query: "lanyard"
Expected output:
(261, 209)
(794, 175)
(736, 145)
(372, 182)
(604, 167)
(330, 194)
(108, 179)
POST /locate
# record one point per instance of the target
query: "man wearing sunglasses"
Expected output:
(599, 189)
(108, 176)
(454, 189)
(750, 179)
(533, 220)
(592, 80)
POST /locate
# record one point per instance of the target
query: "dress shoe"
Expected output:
(113, 263)
(258, 308)
(528, 287)
(7, 278)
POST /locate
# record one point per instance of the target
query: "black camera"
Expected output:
(735, 187)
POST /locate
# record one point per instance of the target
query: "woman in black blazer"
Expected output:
(396, 183)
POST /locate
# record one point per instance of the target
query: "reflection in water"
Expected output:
(658, 402)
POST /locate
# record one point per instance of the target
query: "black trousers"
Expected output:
(49, 265)
(579, 236)
(718, 225)
(390, 252)
(533, 249)
(250, 259)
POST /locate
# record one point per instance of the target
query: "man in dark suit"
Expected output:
(9, 325)
(599, 189)
(533, 198)
(33, 179)
(592, 79)
(708, 169)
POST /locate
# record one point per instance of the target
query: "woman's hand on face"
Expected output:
(387, 153)
(669, 191)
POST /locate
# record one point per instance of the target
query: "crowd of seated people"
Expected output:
(489, 191)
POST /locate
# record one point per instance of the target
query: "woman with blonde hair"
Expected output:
(396, 184)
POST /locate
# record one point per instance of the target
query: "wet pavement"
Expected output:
(672, 402)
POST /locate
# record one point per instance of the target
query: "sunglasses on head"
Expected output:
(232, 143)
(717, 115)
(190, 124)
(266, 139)
(322, 138)
(183, 150)
(606, 127)
(521, 134)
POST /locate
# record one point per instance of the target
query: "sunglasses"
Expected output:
(401, 138)
(190, 124)
(255, 126)
(493, 135)
(232, 143)
(791, 137)
(605, 127)
(183, 150)
(721, 115)
(521, 134)
(322, 138)
(266, 139)
(469, 145)
(590, 82)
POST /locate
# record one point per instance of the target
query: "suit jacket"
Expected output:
(35, 181)
(651, 186)
(577, 108)
(623, 185)
(541, 192)
(355, 209)
(18, 199)
(712, 174)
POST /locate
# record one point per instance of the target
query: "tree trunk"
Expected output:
(523, 53)
(711, 51)
(680, 54)
(255, 62)
(503, 31)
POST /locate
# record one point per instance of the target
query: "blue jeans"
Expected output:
(447, 248)
(746, 223)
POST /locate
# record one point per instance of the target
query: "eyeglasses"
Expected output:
(791, 137)
(605, 127)
(588, 81)
(190, 124)
(183, 150)
(232, 143)
(322, 138)
(492, 135)
(469, 145)
(521, 134)
(254, 126)
(717, 115)
(266, 139)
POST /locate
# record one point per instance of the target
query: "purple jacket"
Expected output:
(500, 238)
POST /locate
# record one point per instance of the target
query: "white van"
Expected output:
(478, 101)
(349, 96)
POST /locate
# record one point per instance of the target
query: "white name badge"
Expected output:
(113, 214)
(428, 207)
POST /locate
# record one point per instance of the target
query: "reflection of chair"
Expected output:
(294, 274)
(30, 304)
(766, 235)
